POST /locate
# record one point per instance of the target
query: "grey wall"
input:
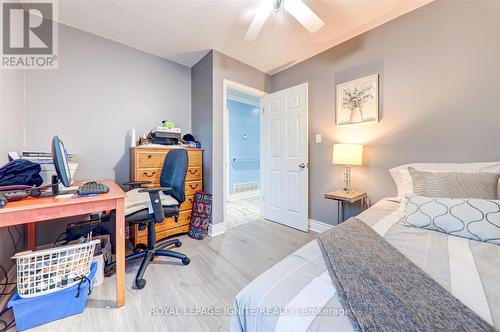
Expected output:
(440, 96)
(201, 112)
(11, 139)
(225, 67)
(99, 92)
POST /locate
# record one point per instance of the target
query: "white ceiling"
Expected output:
(184, 30)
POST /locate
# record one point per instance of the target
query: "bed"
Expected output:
(297, 294)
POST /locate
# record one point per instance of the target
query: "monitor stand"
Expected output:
(54, 189)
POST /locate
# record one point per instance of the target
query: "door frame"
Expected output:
(227, 84)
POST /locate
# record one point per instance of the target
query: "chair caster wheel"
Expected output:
(178, 244)
(140, 247)
(185, 261)
(140, 283)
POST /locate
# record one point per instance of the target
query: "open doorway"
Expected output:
(242, 157)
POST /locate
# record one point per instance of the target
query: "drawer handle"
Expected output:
(193, 187)
(191, 200)
(150, 156)
(149, 176)
(193, 171)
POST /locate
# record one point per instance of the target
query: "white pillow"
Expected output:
(404, 185)
(475, 219)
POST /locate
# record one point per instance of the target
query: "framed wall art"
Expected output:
(357, 101)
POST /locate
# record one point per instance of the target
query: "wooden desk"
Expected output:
(32, 210)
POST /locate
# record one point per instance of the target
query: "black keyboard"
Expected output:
(92, 188)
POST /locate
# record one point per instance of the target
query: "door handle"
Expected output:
(303, 165)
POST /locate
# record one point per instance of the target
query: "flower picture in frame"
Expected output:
(357, 101)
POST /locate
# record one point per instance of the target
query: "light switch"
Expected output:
(318, 138)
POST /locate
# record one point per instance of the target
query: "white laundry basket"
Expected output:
(47, 271)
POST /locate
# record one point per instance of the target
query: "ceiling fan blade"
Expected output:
(258, 21)
(304, 14)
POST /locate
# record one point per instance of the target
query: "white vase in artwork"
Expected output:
(356, 116)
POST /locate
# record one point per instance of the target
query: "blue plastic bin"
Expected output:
(31, 312)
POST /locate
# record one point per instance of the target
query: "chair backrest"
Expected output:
(173, 173)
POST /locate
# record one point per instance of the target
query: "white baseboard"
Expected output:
(318, 226)
(216, 229)
(243, 195)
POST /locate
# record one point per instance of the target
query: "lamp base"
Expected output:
(347, 179)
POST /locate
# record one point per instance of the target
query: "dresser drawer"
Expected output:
(193, 173)
(163, 234)
(150, 159)
(192, 187)
(195, 158)
(184, 218)
(150, 174)
(187, 205)
(168, 223)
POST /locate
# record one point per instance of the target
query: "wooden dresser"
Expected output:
(145, 165)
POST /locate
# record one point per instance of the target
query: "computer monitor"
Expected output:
(60, 159)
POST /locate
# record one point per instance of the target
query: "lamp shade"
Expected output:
(348, 154)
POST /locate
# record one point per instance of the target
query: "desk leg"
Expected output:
(120, 253)
(31, 228)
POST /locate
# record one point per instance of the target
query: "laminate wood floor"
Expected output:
(220, 267)
(242, 211)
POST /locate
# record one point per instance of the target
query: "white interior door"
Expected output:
(284, 157)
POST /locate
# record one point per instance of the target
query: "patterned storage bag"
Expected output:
(201, 215)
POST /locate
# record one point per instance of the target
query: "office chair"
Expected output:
(149, 206)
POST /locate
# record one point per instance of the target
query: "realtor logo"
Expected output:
(29, 35)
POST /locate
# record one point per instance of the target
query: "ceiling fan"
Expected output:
(297, 8)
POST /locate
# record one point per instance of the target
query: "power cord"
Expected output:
(14, 242)
(6, 284)
(58, 238)
(7, 326)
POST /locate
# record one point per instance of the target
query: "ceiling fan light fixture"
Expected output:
(304, 15)
(297, 8)
(265, 9)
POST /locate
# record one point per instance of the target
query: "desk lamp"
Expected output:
(347, 155)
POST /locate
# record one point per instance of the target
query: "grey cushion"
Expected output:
(136, 201)
(454, 184)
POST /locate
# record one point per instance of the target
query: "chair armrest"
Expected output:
(136, 184)
(155, 189)
(154, 196)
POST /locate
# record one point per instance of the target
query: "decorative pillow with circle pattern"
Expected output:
(475, 219)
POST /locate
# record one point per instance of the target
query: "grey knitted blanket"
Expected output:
(383, 290)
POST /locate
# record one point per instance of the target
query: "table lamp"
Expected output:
(348, 155)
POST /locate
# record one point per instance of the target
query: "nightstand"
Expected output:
(350, 197)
